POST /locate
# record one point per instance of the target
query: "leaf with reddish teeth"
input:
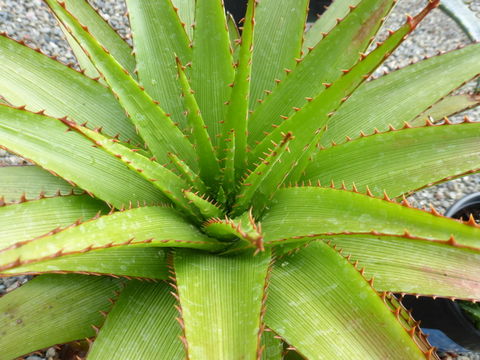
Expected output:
(142, 227)
(448, 106)
(75, 301)
(30, 182)
(321, 305)
(298, 213)
(400, 161)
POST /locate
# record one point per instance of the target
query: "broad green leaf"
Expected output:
(302, 212)
(212, 64)
(401, 161)
(338, 9)
(140, 326)
(33, 79)
(31, 182)
(238, 105)
(448, 106)
(278, 36)
(369, 107)
(324, 64)
(143, 262)
(207, 161)
(36, 218)
(74, 301)
(143, 227)
(226, 324)
(186, 12)
(323, 307)
(413, 266)
(272, 347)
(162, 178)
(46, 141)
(159, 36)
(102, 31)
(156, 128)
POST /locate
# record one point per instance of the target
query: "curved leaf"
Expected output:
(186, 12)
(321, 305)
(129, 261)
(302, 212)
(31, 182)
(401, 161)
(140, 326)
(48, 143)
(33, 79)
(25, 221)
(226, 324)
(438, 269)
(142, 227)
(75, 301)
(369, 108)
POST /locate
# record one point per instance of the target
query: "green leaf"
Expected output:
(212, 64)
(400, 161)
(102, 31)
(166, 181)
(272, 347)
(234, 34)
(140, 326)
(207, 161)
(208, 208)
(141, 227)
(243, 230)
(45, 141)
(226, 324)
(39, 217)
(30, 182)
(142, 262)
(264, 180)
(186, 12)
(300, 213)
(75, 301)
(448, 106)
(159, 36)
(33, 79)
(191, 178)
(324, 63)
(283, 45)
(308, 124)
(238, 105)
(438, 269)
(156, 128)
(323, 307)
(472, 311)
(325, 23)
(368, 108)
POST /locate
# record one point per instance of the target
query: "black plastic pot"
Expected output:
(443, 314)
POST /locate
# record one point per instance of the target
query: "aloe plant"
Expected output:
(212, 195)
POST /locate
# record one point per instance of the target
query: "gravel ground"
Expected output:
(29, 20)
